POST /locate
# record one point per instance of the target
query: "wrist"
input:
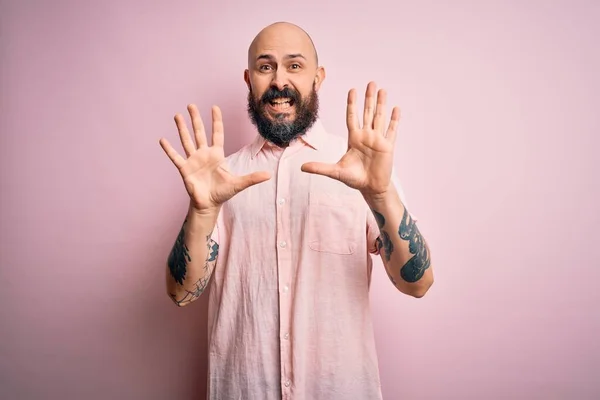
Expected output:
(209, 213)
(375, 200)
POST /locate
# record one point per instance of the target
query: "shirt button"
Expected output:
(287, 383)
(282, 244)
(281, 201)
(286, 288)
(286, 336)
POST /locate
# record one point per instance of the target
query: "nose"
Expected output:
(280, 79)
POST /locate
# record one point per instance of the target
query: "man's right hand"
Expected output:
(204, 172)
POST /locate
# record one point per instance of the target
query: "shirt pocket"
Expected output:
(333, 223)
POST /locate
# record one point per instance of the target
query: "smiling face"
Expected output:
(283, 79)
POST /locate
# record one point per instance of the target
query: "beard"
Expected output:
(279, 130)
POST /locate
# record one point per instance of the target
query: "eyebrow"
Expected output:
(288, 56)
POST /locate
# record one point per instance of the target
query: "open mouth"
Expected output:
(281, 104)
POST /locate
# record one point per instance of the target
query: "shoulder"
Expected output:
(243, 154)
(329, 143)
(238, 154)
(336, 140)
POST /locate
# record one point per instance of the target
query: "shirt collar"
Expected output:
(314, 137)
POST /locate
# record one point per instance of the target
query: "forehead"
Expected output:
(280, 43)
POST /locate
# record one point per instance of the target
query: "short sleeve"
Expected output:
(372, 227)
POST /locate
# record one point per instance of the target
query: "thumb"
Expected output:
(329, 170)
(244, 182)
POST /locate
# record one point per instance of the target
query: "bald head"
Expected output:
(286, 37)
(283, 79)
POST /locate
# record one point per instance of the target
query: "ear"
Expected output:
(247, 79)
(319, 77)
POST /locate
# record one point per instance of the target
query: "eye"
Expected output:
(264, 67)
(295, 66)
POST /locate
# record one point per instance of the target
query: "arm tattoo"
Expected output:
(379, 218)
(414, 268)
(213, 251)
(178, 266)
(379, 245)
(191, 295)
(383, 241)
(387, 245)
(179, 257)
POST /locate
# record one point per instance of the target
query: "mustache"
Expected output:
(274, 93)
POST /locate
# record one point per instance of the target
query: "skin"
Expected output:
(283, 55)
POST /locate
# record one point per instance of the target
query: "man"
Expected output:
(283, 229)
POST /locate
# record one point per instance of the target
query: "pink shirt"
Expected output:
(289, 314)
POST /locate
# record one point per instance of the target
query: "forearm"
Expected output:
(193, 257)
(403, 249)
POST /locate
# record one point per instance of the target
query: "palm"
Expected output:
(367, 165)
(204, 172)
(206, 179)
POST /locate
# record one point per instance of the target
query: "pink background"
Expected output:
(497, 153)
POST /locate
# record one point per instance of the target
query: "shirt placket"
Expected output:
(284, 268)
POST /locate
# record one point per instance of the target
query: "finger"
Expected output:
(351, 116)
(184, 135)
(244, 182)
(218, 135)
(369, 105)
(198, 125)
(172, 153)
(392, 130)
(379, 122)
(329, 170)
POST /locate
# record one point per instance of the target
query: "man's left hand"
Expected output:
(367, 165)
